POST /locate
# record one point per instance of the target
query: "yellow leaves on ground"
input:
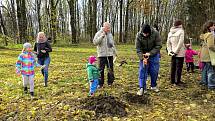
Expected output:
(68, 85)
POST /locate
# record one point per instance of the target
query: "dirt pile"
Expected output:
(137, 99)
(105, 106)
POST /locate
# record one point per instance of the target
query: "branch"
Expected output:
(4, 7)
(130, 2)
(56, 3)
(6, 10)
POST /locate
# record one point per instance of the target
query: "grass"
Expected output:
(68, 85)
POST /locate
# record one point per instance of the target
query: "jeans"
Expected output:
(151, 68)
(108, 61)
(208, 75)
(93, 86)
(45, 61)
(176, 69)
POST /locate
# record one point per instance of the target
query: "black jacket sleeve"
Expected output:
(35, 47)
(48, 47)
(158, 45)
(138, 47)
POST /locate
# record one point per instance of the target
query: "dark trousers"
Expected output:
(190, 65)
(176, 69)
(108, 61)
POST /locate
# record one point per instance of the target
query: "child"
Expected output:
(189, 57)
(25, 67)
(93, 74)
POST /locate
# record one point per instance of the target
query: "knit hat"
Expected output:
(27, 45)
(92, 59)
(146, 29)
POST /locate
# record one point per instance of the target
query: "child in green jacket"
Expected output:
(93, 74)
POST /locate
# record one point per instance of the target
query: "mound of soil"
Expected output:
(134, 98)
(104, 106)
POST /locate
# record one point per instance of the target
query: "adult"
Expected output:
(42, 49)
(176, 49)
(148, 44)
(105, 50)
(208, 74)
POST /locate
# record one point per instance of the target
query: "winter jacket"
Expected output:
(189, 53)
(208, 43)
(92, 72)
(175, 41)
(42, 46)
(103, 48)
(26, 63)
(151, 44)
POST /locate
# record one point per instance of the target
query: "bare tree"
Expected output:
(126, 20)
(38, 7)
(22, 20)
(121, 21)
(53, 6)
(72, 19)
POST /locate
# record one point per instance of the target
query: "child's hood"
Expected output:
(174, 31)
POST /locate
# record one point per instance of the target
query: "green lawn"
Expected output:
(67, 92)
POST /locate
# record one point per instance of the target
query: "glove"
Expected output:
(172, 54)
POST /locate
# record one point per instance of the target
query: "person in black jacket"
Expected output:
(148, 45)
(42, 48)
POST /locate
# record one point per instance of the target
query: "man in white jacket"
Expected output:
(106, 50)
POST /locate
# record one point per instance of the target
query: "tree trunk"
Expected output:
(38, 3)
(94, 13)
(72, 19)
(89, 29)
(22, 21)
(114, 19)
(78, 21)
(121, 21)
(4, 30)
(103, 10)
(14, 22)
(126, 22)
(53, 20)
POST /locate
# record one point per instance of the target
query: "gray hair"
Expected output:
(106, 24)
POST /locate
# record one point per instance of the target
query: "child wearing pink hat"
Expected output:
(93, 74)
(189, 57)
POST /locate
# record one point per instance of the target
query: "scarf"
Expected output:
(109, 40)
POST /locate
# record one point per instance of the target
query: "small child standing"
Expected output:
(189, 57)
(93, 74)
(25, 67)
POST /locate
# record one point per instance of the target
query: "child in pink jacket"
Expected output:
(189, 57)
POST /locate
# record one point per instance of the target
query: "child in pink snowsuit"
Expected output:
(189, 57)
